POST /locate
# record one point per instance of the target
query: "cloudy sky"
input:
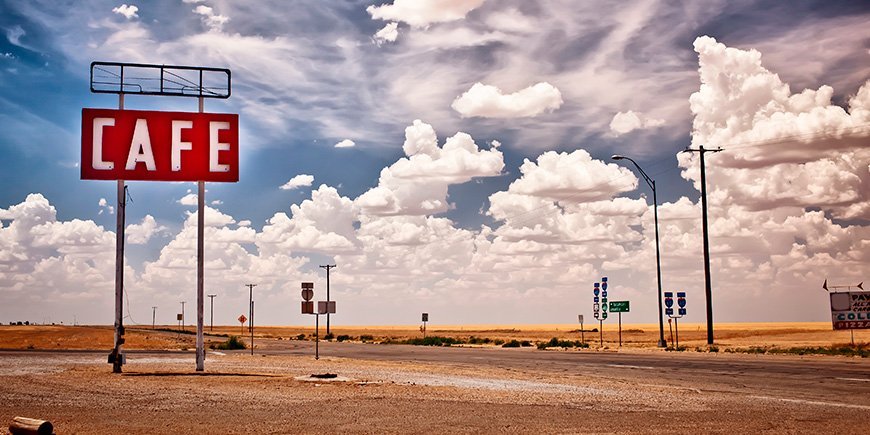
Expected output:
(451, 157)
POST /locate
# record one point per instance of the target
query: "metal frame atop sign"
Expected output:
(167, 80)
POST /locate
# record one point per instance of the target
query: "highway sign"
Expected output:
(307, 285)
(681, 299)
(580, 318)
(324, 307)
(243, 319)
(669, 311)
(307, 307)
(682, 311)
(307, 294)
(604, 315)
(619, 306)
(425, 317)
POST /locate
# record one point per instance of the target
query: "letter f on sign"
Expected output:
(177, 145)
(97, 156)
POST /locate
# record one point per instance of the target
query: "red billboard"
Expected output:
(159, 146)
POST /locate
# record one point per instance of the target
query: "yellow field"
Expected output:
(634, 336)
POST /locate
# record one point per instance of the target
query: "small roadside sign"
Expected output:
(324, 307)
(425, 317)
(179, 317)
(243, 319)
(619, 306)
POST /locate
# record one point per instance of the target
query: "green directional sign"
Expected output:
(618, 306)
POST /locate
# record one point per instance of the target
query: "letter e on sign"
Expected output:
(159, 146)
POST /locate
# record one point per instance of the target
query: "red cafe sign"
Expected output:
(159, 146)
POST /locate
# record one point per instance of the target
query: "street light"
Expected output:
(652, 185)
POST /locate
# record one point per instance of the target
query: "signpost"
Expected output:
(850, 310)
(425, 319)
(242, 320)
(619, 307)
(323, 307)
(599, 307)
(681, 311)
(159, 146)
(582, 337)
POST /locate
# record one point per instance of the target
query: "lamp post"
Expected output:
(652, 185)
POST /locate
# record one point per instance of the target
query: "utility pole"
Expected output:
(153, 316)
(182, 315)
(327, 267)
(708, 292)
(211, 299)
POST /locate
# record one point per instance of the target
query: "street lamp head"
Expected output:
(617, 157)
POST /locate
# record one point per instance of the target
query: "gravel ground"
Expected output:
(275, 394)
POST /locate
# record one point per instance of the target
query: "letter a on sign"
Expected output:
(159, 146)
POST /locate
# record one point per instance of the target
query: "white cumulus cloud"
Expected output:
(490, 102)
(301, 180)
(418, 183)
(346, 143)
(625, 122)
(422, 13)
(388, 33)
(128, 11)
(215, 22)
(141, 233)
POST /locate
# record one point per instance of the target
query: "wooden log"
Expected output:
(30, 426)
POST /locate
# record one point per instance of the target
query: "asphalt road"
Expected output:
(815, 380)
(835, 381)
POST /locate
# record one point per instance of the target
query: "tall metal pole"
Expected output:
(251, 323)
(250, 303)
(153, 316)
(211, 299)
(182, 314)
(652, 184)
(251, 313)
(327, 267)
(117, 356)
(662, 342)
(200, 260)
(707, 288)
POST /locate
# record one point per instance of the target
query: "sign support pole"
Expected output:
(677, 327)
(251, 325)
(317, 336)
(620, 328)
(117, 357)
(600, 333)
(582, 336)
(200, 278)
(671, 327)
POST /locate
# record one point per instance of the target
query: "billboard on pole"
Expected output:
(850, 310)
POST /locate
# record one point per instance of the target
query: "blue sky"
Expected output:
(479, 186)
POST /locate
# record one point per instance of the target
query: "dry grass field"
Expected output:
(634, 336)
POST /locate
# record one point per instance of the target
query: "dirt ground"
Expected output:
(276, 394)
